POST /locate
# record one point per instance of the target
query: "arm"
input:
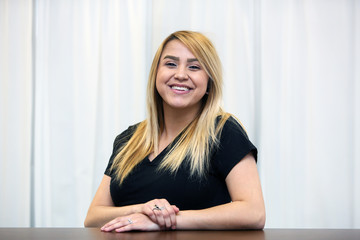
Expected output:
(102, 210)
(246, 210)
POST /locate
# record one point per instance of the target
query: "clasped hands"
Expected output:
(154, 215)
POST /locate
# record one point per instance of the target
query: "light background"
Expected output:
(73, 75)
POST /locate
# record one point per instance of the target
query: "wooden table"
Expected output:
(95, 233)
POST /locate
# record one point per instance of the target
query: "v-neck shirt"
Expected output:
(146, 182)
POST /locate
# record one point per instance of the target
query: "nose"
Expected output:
(181, 74)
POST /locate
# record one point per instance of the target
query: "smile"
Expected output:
(180, 88)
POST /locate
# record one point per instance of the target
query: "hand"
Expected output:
(161, 212)
(136, 221)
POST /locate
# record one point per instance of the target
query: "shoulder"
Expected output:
(119, 142)
(233, 139)
(233, 145)
(125, 136)
(232, 126)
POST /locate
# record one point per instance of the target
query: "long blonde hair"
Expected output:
(199, 137)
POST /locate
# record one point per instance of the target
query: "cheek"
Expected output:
(158, 85)
(159, 77)
(205, 83)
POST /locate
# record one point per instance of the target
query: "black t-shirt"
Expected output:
(146, 182)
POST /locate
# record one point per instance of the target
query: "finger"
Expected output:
(112, 227)
(110, 223)
(148, 211)
(159, 217)
(176, 209)
(167, 213)
(126, 228)
(163, 217)
(170, 217)
(161, 212)
(170, 214)
(115, 225)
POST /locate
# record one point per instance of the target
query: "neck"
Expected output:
(175, 120)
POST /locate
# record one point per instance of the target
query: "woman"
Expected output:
(189, 165)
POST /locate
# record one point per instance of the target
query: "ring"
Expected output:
(156, 207)
(130, 221)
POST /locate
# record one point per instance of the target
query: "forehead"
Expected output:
(177, 48)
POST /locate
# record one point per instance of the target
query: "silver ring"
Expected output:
(156, 207)
(130, 221)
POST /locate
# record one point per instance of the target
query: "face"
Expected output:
(181, 81)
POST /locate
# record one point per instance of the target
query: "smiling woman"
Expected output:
(189, 165)
(181, 81)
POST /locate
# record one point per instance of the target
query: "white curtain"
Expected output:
(74, 73)
(310, 112)
(16, 93)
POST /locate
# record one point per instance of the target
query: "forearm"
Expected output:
(234, 215)
(97, 216)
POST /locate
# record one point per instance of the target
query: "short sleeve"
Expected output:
(234, 145)
(119, 142)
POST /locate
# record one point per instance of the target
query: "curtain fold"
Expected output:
(356, 109)
(74, 74)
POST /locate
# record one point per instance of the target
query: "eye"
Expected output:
(194, 67)
(170, 64)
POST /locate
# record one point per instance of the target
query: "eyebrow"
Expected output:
(177, 59)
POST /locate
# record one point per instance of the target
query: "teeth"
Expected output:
(180, 88)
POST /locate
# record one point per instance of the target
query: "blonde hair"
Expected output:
(199, 137)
